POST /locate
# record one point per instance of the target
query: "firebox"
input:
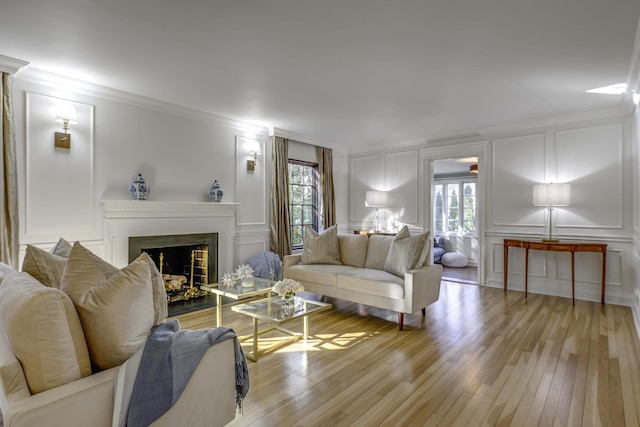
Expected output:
(186, 261)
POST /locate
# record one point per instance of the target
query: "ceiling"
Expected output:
(354, 73)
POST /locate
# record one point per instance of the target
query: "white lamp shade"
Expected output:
(376, 199)
(66, 111)
(551, 194)
(253, 147)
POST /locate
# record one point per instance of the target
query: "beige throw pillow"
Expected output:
(405, 254)
(321, 248)
(116, 312)
(45, 267)
(42, 327)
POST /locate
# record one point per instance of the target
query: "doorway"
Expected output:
(454, 210)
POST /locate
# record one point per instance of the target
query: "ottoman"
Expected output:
(454, 259)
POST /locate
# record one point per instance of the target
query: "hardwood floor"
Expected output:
(480, 357)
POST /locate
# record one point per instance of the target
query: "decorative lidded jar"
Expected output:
(215, 193)
(139, 189)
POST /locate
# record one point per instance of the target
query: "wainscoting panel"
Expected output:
(59, 192)
(250, 185)
(401, 180)
(365, 175)
(518, 163)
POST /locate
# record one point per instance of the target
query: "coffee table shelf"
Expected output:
(273, 311)
(237, 292)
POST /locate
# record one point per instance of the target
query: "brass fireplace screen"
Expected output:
(186, 261)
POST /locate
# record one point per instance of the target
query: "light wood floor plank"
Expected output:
(480, 356)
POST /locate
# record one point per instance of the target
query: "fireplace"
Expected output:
(186, 262)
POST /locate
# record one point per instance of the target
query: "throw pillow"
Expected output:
(116, 312)
(45, 267)
(44, 331)
(321, 248)
(404, 254)
(62, 248)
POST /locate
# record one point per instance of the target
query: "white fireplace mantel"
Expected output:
(127, 218)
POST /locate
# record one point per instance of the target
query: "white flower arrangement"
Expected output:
(244, 271)
(229, 279)
(287, 287)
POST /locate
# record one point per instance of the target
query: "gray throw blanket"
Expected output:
(168, 361)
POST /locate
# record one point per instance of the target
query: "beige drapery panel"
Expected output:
(325, 169)
(280, 223)
(9, 201)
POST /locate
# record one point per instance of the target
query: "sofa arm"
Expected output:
(422, 287)
(87, 401)
(13, 384)
(290, 260)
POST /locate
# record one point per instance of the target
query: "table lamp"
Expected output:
(551, 195)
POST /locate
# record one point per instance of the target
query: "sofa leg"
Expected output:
(400, 320)
(424, 311)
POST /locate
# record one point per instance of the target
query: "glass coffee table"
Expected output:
(237, 292)
(276, 313)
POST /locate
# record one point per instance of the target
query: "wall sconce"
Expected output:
(550, 196)
(473, 168)
(67, 116)
(254, 150)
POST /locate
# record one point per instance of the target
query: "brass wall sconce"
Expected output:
(254, 150)
(67, 116)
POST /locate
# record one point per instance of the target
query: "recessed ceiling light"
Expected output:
(616, 89)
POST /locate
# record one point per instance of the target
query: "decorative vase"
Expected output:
(215, 193)
(139, 189)
(247, 282)
(288, 303)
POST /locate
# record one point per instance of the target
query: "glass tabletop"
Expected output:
(275, 310)
(240, 291)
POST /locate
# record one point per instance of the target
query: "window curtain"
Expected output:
(9, 201)
(280, 223)
(325, 169)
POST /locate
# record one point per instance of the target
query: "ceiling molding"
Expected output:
(11, 65)
(273, 131)
(60, 82)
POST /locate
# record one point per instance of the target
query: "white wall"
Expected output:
(178, 151)
(636, 220)
(594, 155)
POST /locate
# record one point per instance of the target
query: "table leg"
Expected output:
(305, 331)
(506, 265)
(526, 272)
(573, 278)
(218, 310)
(604, 271)
(255, 339)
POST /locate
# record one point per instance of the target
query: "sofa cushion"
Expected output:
(5, 270)
(317, 273)
(117, 311)
(374, 282)
(42, 327)
(45, 267)
(353, 249)
(405, 254)
(321, 248)
(377, 251)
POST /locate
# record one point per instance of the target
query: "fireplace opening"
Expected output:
(186, 262)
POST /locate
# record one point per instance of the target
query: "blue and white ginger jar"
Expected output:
(139, 189)
(215, 193)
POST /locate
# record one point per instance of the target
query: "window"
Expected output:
(303, 199)
(455, 207)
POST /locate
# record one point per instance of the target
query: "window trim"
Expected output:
(315, 205)
(460, 182)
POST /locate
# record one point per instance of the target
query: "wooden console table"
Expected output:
(554, 246)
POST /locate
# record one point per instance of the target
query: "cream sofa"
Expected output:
(361, 276)
(46, 377)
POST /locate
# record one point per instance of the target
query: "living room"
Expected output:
(180, 149)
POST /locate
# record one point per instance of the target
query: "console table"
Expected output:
(572, 247)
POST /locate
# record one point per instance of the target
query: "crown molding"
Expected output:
(273, 131)
(57, 81)
(11, 65)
